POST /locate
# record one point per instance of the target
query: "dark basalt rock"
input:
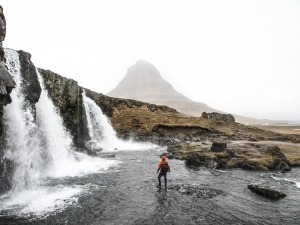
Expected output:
(280, 161)
(2, 33)
(218, 146)
(7, 83)
(251, 166)
(266, 192)
(67, 97)
(30, 85)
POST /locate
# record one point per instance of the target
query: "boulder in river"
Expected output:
(266, 192)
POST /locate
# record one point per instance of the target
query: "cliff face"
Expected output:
(6, 81)
(67, 97)
(6, 85)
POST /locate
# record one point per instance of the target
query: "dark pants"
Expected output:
(165, 178)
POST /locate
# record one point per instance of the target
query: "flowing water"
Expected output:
(127, 194)
(103, 136)
(53, 184)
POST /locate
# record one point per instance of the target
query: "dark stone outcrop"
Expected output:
(2, 33)
(266, 192)
(196, 159)
(218, 147)
(227, 118)
(67, 97)
(30, 85)
(280, 161)
(6, 85)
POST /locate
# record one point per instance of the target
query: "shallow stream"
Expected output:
(125, 192)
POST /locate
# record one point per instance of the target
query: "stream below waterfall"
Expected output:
(126, 193)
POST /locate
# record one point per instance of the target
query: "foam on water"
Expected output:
(293, 181)
(41, 151)
(102, 134)
(40, 201)
(82, 166)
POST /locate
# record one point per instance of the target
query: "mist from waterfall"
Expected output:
(103, 136)
(23, 142)
(41, 149)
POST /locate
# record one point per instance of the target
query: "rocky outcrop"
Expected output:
(30, 86)
(247, 156)
(2, 32)
(67, 97)
(279, 159)
(266, 192)
(218, 146)
(227, 118)
(6, 85)
(6, 81)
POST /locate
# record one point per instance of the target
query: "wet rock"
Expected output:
(218, 146)
(251, 166)
(93, 146)
(6, 85)
(30, 86)
(6, 79)
(67, 97)
(266, 192)
(2, 33)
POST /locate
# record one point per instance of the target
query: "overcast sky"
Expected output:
(241, 57)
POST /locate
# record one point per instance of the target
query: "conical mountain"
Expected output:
(143, 82)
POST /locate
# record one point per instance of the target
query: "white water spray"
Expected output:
(22, 136)
(40, 150)
(102, 134)
(100, 130)
(57, 140)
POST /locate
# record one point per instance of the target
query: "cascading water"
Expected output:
(101, 132)
(103, 136)
(23, 145)
(41, 150)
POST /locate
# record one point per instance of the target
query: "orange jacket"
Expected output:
(163, 160)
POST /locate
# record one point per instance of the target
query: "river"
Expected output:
(126, 193)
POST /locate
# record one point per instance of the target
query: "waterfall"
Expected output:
(40, 148)
(57, 140)
(103, 136)
(23, 145)
(42, 153)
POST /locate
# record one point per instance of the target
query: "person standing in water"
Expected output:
(163, 169)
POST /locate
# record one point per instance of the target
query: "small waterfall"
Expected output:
(103, 136)
(23, 145)
(57, 140)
